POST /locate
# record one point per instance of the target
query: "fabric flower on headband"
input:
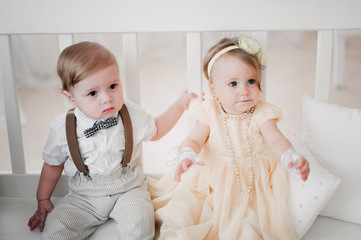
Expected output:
(252, 47)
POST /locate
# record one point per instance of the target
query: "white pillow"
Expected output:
(333, 135)
(307, 199)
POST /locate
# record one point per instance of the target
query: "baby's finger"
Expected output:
(177, 174)
(201, 163)
(290, 165)
(180, 170)
(184, 166)
(298, 164)
(305, 166)
(304, 176)
(31, 220)
(33, 224)
(193, 95)
(41, 225)
(304, 169)
(305, 172)
(301, 163)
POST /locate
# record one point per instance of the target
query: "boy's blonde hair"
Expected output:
(249, 59)
(80, 60)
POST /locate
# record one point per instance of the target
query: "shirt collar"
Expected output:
(83, 121)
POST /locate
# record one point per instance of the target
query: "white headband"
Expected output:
(249, 45)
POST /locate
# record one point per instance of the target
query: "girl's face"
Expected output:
(100, 95)
(234, 84)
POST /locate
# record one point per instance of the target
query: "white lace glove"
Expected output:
(187, 152)
(290, 156)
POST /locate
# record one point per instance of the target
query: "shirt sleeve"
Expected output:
(143, 123)
(198, 112)
(54, 152)
(265, 111)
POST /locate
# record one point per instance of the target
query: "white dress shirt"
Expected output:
(103, 152)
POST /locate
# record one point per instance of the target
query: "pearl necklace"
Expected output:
(248, 114)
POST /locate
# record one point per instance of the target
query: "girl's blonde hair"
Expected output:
(248, 58)
(80, 60)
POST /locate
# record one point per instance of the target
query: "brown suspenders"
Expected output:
(70, 126)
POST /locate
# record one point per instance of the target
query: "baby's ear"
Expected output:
(211, 89)
(70, 97)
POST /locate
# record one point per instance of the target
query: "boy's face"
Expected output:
(100, 95)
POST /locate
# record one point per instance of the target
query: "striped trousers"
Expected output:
(122, 196)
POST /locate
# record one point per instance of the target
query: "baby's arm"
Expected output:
(48, 179)
(279, 144)
(195, 141)
(169, 118)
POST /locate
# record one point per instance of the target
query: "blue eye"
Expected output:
(232, 84)
(251, 81)
(92, 93)
(113, 86)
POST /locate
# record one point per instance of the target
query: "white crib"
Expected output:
(130, 17)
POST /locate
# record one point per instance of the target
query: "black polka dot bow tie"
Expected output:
(100, 125)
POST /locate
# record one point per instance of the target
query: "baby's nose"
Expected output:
(242, 90)
(106, 97)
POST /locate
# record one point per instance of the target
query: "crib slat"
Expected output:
(194, 63)
(323, 65)
(339, 55)
(11, 106)
(130, 53)
(339, 59)
(194, 67)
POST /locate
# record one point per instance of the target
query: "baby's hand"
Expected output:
(44, 207)
(184, 99)
(183, 166)
(302, 166)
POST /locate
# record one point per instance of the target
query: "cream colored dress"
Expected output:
(207, 204)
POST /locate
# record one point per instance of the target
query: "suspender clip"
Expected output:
(125, 166)
(87, 176)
